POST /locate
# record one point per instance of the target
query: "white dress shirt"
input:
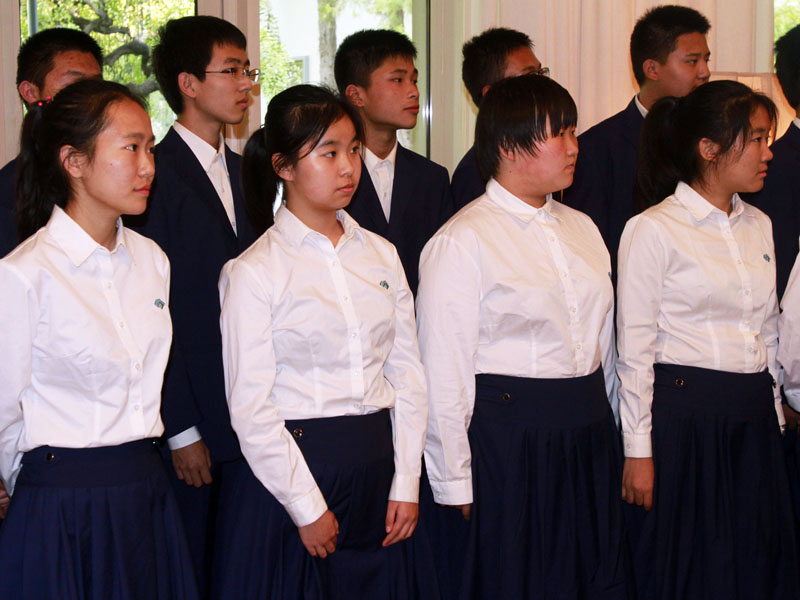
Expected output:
(381, 172)
(696, 287)
(789, 333)
(86, 337)
(507, 289)
(309, 331)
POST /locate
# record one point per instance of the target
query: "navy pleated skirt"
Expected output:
(94, 524)
(259, 554)
(547, 516)
(721, 525)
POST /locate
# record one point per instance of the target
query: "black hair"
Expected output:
(186, 45)
(37, 53)
(787, 65)
(518, 114)
(656, 33)
(364, 51)
(75, 117)
(296, 119)
(485, 57)
(669, 143)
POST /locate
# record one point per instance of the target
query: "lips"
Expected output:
(143, 190)
(414, 109)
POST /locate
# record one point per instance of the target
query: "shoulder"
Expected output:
(145, 249)
(29, 258)
(757, 216)
(575, 218)
(607, 129)
(421, 164)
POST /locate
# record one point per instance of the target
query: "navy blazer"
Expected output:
(605, 173)
(421, 203)
(780, 199)
(187, 219)
(9, 238)
(467, 182)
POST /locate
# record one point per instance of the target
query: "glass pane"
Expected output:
(126, 31)
(299, 40)
(787, 15)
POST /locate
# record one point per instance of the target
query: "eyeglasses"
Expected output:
(544, 72)
(239, 72)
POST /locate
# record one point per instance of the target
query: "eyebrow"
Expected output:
(403, 71)
(138, 137)
(235, 61)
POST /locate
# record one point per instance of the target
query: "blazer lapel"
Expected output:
(402, 187)
(633, 124)
(366, 206)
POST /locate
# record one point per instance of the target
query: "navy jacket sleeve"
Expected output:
(8, 213)
(467, 183)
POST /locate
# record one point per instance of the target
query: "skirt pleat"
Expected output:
(547, 516)
(94, 524)
(259, 554)
(722, 524)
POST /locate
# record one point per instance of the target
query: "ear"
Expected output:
(29, 92)
(186, 84)
(73, 162)
(651, 68)
(355, 94)
(285, 172)
(509, 155)
(485, 89)
(708, 149)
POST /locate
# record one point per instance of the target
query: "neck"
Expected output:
(522, 189)
(648, 96)
(324, 222)
(203, 126)
(715, 194)
(100, 225)
(380, 141)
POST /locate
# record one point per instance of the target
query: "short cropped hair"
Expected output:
(485, 57)
(186, 45)
(518, 114)
(787, 65)
(656, 33)
(37, 53)
(364, 51)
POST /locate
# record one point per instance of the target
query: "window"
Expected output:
(126, 31)
(787, 15)
(299, 40)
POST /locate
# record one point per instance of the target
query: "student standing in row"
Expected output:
(403, 196)
(697, 321)
(47, 62)
(86, 337)
(493, 55)
(515, 313)
(325, 386)
(670, 57)
(196, 214)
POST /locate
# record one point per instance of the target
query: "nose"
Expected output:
(703, 72)
(147, 166)
(246, 83)
(413, 91)
(767, 153)
(572, 145)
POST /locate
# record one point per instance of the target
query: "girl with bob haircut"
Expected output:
(515, 312)
(86, 336)
(697, 325)
(325, 386)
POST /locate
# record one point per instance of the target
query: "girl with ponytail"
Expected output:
(697, 336)
(325, 386)
(86, 335)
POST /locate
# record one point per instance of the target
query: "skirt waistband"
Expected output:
(50, 466)
(349, 439)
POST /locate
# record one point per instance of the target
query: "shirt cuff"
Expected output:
(307, 509)
(405, 488)
(184, 438)
(452, 493)
(638, 445)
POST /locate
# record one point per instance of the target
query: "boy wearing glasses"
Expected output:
(669, 54)
(402, 196)
(495, 54)
(196, 214)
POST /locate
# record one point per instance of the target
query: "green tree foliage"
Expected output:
(278, 71)
(787, 15)
(391, 12)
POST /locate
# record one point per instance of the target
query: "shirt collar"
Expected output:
(75, 242)
(640, 106)
(372, 161)
(519, 208)
(202, 150)
(700, 208)
(296, 231)
(796, 122)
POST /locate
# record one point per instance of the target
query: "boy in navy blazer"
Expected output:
(402, 196)
(669, 54)
(196, 214)
(493, 55)
(47, 62)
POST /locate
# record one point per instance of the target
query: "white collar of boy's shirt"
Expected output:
(700, 208)
(519, 208)
(75, 242)
(372, 161)
(296, 231)
(640, 106)
(203, 151)
(796, 122)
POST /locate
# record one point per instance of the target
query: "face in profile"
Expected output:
(68, 67)
(686, 66)
(521, 61)
(744, 168)
(391, 101)
(224, 97)
(116, 179)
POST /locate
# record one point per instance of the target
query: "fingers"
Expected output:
(401, 520)
(466, 511)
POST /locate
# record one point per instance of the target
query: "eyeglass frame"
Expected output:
(543, 71)
(239, 72)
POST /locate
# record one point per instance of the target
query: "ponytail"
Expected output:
(657, 171)
(259, 182)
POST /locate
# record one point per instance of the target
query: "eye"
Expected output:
(355, 149)
(331, 154)
(231, 70)
(692, 61)
(132, 147)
